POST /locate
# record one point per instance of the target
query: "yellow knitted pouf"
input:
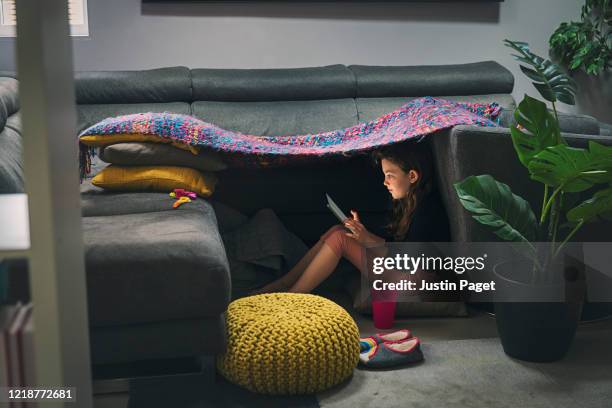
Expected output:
(288, 343)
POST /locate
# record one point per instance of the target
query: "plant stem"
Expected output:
(569, 236)
(552, 233)
(544, 202)
(559, 137)
(556, 222)
(553, 204)
(551, 223)
(550, 202)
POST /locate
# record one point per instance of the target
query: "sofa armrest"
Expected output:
(605, 129)
(568, 122)
(463, 151)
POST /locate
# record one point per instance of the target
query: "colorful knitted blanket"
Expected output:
(418, 117)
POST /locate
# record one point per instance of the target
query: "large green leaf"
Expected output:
(597, 149)
(493, 204)
(597, 207)
(548, 78)
(577, 169)
(537, 129)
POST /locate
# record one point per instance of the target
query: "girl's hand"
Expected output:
(358, 231)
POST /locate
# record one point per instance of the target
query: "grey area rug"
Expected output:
(477, 374)
(455, 374)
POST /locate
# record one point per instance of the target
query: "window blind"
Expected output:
(77, 11)
(8, 13)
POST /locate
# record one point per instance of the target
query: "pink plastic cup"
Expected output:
(383, 308)
(383, 313)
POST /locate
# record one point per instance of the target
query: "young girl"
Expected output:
(418, 215)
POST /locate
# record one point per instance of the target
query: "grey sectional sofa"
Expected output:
(158, 280)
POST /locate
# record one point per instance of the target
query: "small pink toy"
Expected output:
(179, 192)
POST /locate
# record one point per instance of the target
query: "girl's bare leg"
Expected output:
(319, 263)
(321, 266)
(286, 281)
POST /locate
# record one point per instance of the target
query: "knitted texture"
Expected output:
(288, 343)
(416, 118)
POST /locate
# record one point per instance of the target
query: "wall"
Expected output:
(126, 35)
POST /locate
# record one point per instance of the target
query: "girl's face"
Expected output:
(397, 181)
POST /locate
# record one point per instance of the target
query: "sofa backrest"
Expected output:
(294, 101)
(291, 101)
(102, 94)
(276, 101)
(11, 161)
(287, 101)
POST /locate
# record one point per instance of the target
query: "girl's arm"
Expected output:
(358, 232)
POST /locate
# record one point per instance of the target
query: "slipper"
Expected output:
(391, 354)
(368, 342)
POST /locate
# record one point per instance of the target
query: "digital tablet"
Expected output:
(335, 209)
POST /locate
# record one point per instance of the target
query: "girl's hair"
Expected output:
(408, 156)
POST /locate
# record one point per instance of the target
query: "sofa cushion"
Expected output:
(89, 115)
(95, 201)
(278, 118)
(291, 84)
(147, 154)
(100, 140)
(9, 100)
(155, 266)
(146, 86)
(11, 162)
(478, 78)
(14, 122)
(155, 178)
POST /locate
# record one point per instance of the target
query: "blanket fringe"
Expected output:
(86, 153)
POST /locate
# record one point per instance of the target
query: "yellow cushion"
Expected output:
(156, 178)
(288, 343)
(105, 140)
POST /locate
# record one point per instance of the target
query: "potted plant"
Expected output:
(541, 331)
(584, 48)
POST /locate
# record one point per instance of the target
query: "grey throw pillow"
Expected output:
(157, 154)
